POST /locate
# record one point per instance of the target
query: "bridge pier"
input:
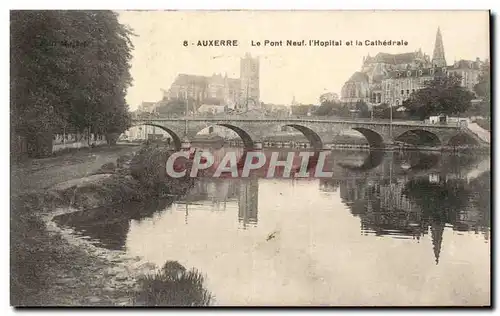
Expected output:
(257, 145)
(186, 144)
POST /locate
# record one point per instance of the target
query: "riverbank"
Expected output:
(45, 268)
(49, 265)
(36, 174)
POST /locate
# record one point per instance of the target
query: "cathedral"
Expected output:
(231, 92)
(391, 78)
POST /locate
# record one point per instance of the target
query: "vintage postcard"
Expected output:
(250, 158)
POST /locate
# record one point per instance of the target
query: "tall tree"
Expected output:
(329, 97)
(483, 90)
(174, 106)
(382, 111)
(362, 109)
(441, 95)
(483, 87)
(69, 69)
(326, 108)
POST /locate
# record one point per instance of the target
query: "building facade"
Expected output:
(399, 85)
(468, 70)
(215, 89)
(391, 78)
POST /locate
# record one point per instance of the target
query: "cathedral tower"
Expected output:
(249, 76)
(438, 58)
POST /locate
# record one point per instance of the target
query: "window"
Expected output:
(402, 92)
(431, 72)
(412, 90)
(408, 91)
(408, 74)
(420, 72)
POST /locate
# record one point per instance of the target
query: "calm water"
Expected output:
(387, 229)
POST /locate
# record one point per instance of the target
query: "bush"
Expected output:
(149, 168)
(173, 286)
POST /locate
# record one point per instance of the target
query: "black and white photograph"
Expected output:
(250, 158)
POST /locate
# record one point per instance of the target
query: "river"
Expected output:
(386, 229)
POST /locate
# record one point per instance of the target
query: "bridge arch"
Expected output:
(175, 138)
(375, 140)
(245, 137)
(311, 135)
(419, 137)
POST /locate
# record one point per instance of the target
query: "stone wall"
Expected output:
(65, 141)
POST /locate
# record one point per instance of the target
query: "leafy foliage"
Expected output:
(174, 286)
(301, 110)
(483, 90)
(441, 95)
(326, 108)
(382, 111)
(362, 109)
(336, 108)
(172, 107)
(69, 70)
(329, 97)
(483, 87)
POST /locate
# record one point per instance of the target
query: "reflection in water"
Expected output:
(373, 160)
(245, 192)
(410, 209)
(109, 226)
(248, 202)
(268, 241)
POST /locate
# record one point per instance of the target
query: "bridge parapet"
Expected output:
(306, 119)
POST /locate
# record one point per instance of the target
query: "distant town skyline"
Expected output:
(287, 72)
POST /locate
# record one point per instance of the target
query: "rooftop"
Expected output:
(394, 59)
(466, 64)
(358, 76)
(186, 79)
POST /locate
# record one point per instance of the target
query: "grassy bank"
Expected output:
(46, 270)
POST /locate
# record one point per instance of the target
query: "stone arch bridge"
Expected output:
(253, 131)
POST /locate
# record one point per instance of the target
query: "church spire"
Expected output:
(438, 58)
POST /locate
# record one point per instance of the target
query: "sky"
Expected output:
(286, 72)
